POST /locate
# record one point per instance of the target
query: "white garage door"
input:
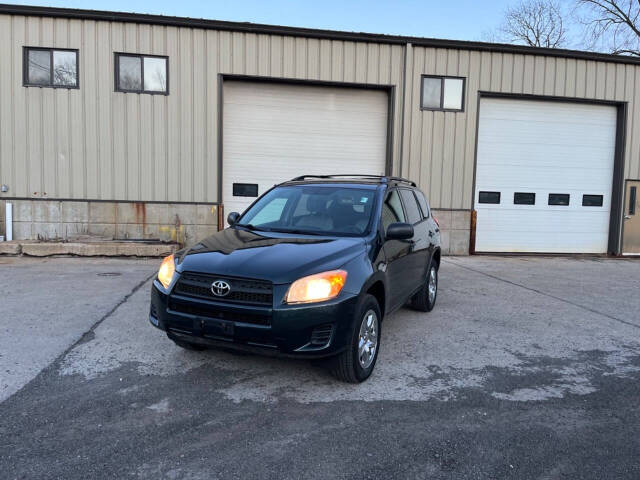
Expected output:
(544, 176)
(274, 132)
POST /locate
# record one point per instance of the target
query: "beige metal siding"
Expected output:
(94, 143)
(440, 146)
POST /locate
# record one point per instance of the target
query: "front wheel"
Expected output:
(425, 299)
(356, 364)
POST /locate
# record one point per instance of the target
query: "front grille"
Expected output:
(243, 290)
(321, 335)
(213, 312)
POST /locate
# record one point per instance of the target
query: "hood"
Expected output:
(277, 257)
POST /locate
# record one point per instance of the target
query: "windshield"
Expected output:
(312, 209)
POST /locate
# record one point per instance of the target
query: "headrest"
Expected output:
(316, 203)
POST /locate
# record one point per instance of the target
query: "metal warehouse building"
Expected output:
(140, 126)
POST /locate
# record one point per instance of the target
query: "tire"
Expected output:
(188, 345)
(424, 300)
(348, 366)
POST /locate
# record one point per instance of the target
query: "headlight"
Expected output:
(317, 288)
(167, 270)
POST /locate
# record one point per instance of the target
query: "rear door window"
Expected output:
(411, 206)
(422, 201)
(392, 210)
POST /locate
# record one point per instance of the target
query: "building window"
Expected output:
(50, 67)
(489, 197)
(142, 73)
(442, 93)
(559, 199)
(520, 198)
(592, 200)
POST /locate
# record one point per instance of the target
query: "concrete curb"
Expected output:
(89, 249)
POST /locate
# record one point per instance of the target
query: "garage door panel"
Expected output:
(554, 134)
(274, 132)
(512, 154)
(588, 179)
(544, 147)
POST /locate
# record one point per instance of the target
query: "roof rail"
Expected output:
(382, 178)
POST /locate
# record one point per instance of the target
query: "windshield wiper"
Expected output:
(248, 226)
(300, 232)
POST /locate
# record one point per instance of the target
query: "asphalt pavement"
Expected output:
(527, 368)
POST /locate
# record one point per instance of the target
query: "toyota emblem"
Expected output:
(220, 288)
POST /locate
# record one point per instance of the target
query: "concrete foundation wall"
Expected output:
(181, 223)
(455, 228)
(69, 220)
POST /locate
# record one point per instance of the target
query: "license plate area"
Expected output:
(213, 327)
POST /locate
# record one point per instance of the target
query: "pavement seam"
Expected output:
(540, 292)
(82, 339)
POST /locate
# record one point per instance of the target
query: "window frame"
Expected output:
(25, 67)
(499, 202)
(421, 217)
(442, 79)
(515, 197)
(556, 195)
(388, 193)
(141, 56)
(419, 193)
(586, 197)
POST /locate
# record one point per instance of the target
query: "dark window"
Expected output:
(592, 200)
(49, 67)
(527, 198)
(489, 197)
(245, 189)
(559, 199)
(411, 206)
(142, 73)
(442, 93)
(392, 210)
(423, 203)
(632, 200)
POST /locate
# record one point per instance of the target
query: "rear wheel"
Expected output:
(425, 299)
(356, 364)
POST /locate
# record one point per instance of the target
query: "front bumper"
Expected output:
(285, 330)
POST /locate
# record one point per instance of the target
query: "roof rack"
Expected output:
(381, 178)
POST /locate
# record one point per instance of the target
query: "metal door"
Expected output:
(631, 228)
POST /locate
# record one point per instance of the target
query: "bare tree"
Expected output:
(537, 23)
(612, 25)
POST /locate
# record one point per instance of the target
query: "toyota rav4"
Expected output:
(309, 270)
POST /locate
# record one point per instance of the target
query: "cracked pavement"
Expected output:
(527, 368)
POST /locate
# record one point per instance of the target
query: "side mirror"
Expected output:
(399, 231)
(232, 218)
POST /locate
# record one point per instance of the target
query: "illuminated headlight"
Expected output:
(167, 271)
(317, 288)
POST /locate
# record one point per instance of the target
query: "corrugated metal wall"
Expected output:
(439, 147)
(95, 143)
(99, 144)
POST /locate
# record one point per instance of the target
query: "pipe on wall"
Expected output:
(8, 219)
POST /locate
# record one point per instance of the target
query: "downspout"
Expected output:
(407, 49)
(8, 220)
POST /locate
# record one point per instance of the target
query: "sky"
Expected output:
(459, 19)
